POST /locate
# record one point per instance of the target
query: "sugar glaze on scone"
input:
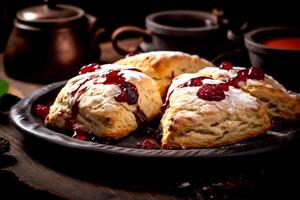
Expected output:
(279, 102)
(163, 66)
(192, 122)
(92, 102)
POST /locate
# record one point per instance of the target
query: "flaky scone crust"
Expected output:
(279, 102)
(163, 66)
(98, 111)
(191, 122)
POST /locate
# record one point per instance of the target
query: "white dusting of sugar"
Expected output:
(241, 98)
(211, 81)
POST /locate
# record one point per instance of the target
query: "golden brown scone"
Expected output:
(192, 122)
(163, 66)
(92, 107)
(279, 102)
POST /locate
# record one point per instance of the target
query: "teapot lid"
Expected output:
(49, 13)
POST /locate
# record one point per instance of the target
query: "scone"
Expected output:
(110, 102)
(163, 66)
(202, 113)
(279, 102)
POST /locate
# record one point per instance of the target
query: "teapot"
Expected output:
(50, 42)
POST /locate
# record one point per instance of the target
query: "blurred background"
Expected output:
(114, 13)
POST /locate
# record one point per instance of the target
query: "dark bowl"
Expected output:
(195, 32)
(280, 63)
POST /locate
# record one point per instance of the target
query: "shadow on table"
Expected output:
(267, 176)
(12, 188)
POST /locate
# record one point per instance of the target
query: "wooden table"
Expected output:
(42, 171)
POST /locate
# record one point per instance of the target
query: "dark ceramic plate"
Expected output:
(23, 119)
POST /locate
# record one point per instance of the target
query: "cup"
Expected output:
(190, 31)
(277, 51)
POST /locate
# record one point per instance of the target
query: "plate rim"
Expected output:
(22, 119)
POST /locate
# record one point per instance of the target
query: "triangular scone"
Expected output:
(92, 102)
(163, 66)
(279, 102)
(192, 122)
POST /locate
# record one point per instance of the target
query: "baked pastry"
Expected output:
(110, 102)
(163, 66)
(279, 102)
(201, 112)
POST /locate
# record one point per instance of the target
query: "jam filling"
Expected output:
(89, 68)
(80, 134)
(41, 111)
(166, 105)
(256, 73)
(140, 117)
(73, 92)
(243, 74)
(215, 92)
(211, 92)
(128, 93)
(148, 144)
(194, 82)
(226, 65)
(240, 78)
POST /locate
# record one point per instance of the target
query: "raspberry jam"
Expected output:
(129, 92)
(41, 111)
(223, 86)
(148, 144)
(240, 78)
(194, 82)
(73, 92)
(113, 77)
(87, 136)
(166, 105)
(89, 68)
(226, 65)
(215, 92)
(80, 134)
(140, 117)
(211, 92)
(71, 122)
(256, 73)
(244, 74)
